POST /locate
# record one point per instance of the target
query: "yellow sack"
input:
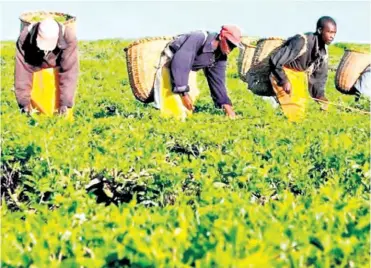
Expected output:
(293, 105)
(171, 104)
(45, 92)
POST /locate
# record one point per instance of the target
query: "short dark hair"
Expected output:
(323, 20)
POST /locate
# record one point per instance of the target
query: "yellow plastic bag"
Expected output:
(45, 92)
(293, 105)
(171, 104)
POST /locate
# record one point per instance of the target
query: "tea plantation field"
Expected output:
(121, 187)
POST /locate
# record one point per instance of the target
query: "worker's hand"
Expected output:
(228, 109)
(63, 110)
(287, 87)
(187, 102)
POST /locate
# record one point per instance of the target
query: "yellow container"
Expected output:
(171, 104)
(45, 92)
(293, 105)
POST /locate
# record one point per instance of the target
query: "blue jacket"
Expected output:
(192, 52)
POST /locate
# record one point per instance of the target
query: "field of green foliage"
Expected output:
(121, 187)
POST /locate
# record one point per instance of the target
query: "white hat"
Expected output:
(47, 35)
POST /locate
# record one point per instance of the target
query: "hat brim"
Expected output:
(235, 42)
(239, 45)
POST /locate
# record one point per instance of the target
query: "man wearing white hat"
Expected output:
(46, 44)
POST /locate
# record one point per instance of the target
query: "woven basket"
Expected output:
(249, 40)
(142, 59)
(258, 75)
(352, 64)
(245, 40)
(244, 61)
(265, 47)
(65, 19)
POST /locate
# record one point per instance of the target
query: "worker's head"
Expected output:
(47, 34)
(326, 29)
(230, 37)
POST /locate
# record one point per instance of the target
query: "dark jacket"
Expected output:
(313, 58)
(192, 52)
(29, 59)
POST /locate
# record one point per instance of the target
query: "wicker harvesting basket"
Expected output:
(351, 65)
(265, 47)
(65, 19)
(249, 40)
(258, 75)
(245, 60)
(245, 40)
(142, 59)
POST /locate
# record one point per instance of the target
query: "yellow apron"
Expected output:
(45, 92)
(171, 104)
(293, 105)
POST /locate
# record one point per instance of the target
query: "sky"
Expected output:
(136, 19)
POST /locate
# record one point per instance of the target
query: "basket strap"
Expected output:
(29, 27)
(205, 35)
(304, 48)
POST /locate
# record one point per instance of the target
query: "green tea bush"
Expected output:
(121, 187)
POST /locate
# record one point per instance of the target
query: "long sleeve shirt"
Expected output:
(30, 59)
(193, 52)
(314, 58)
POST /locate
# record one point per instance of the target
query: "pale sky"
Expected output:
(135, 19)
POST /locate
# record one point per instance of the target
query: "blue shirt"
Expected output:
(363, 84)
(192, 52)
